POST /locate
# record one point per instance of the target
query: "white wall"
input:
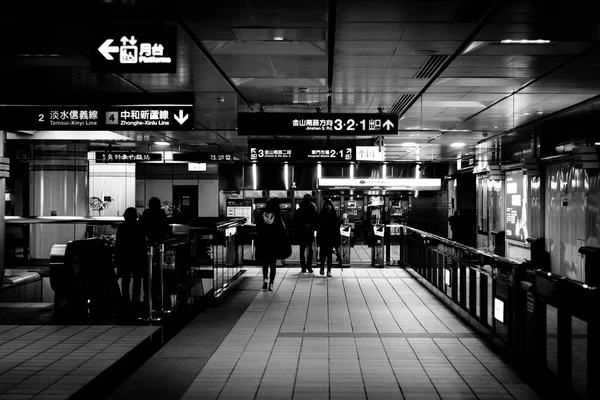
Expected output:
(208, 193)
(116, 181)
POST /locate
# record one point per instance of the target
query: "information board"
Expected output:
(515, 223)
(313, 124)
(203, 157)
(279, 193)
(111, 157)
(94, 117)
(134, 49)
(292, 152)
(239, 208)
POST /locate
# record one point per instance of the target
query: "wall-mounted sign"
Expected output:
(108, 115)
(251, 194)
(305, 124)
(369, 153)
(198, 167)
(134, 49)
(239, 208)
(278, 193)
(516, 223)
(392, 184)
(126, 157)
(325, 154)
(203, 157)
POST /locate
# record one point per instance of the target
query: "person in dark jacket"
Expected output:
(130, 257)
(154, 222)
(271, 233)
(304, 222)
(328, 234)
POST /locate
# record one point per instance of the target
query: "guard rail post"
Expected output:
(149, 282)
(161, 258)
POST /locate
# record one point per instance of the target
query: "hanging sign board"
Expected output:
(292, 152)
(203, 157)
(369, 153)
(111, 157)
(392, 183)
(134, 49)
(313, 124)
(171, 112)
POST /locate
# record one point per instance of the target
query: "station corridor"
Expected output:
(363, 334)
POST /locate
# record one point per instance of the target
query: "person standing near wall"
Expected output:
(270, 241)
(328, 234)
(304, 221)
(130, 258)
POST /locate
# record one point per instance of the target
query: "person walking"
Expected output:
(130, 258)
(304, 222)
(270, 240)
(328, 234)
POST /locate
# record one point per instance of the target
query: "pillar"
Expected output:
(58, 182)
(4, 165)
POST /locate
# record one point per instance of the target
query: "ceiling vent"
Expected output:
(430, 66)
(401, 103)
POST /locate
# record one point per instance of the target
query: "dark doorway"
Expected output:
(185, 198)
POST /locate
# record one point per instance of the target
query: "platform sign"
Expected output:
(95, 118)
(134, 49)
(325, 154)
(315, 124)
(111, 157)
(203, 157)
(270, 154)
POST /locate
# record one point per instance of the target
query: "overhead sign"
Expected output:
(126, 113)
(134, 49)
(126, 157)
(392, 184)
(314, 124)
(203, 157)
(197, 167)
(369, 153)
(295, 153)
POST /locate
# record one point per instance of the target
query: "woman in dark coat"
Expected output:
(270, 240)
(328, 234)
(130, 257)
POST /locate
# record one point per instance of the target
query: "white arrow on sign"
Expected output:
(181, 118)
(388, 124)
(106, 49)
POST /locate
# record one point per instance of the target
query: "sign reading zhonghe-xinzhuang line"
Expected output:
(110, 118)
(316, 124)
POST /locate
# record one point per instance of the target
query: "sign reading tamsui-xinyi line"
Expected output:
(315, 124)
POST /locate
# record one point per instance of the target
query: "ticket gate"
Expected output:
(378, 248)
(345, 245)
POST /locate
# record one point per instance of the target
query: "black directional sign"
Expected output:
(315, 124)
(134, 49)
(171, 112)
(267, 152)
(111, 157)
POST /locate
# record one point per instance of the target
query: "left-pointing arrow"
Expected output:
(106, 49)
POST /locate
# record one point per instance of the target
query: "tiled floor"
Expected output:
(363, 334)
(54, 362)
(360, 254)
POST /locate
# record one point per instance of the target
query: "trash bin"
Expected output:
(592, 268)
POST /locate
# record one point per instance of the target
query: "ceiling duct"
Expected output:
(401, 103)
(430, 66)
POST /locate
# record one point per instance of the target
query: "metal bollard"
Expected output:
(149, 281)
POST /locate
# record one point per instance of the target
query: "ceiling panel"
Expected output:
(365, 48)
(380, 31)
(438, 31)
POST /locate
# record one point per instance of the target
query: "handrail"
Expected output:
(63, 220)
(462, 246)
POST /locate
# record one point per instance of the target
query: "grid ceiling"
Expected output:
(375, 56)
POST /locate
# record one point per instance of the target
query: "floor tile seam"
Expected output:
(38, 354)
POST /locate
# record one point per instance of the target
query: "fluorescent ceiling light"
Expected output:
(460, 130)
(161, 143)
(458, 144)
(278, 38)
(524, 41)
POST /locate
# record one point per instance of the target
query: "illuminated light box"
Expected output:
(196, 166)
(499, 309)
(447, 275)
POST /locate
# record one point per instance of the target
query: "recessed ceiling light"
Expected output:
(597, 143)
(278, 38)
(495, 127)
(526, 113)
(540, 112)
(524, 41)
(457, 144)
(161, 143)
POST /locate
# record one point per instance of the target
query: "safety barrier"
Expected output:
(549, 323)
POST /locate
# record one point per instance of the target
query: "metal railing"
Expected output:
(549, 323)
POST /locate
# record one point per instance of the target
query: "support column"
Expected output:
(4, 172)
(58, 181)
